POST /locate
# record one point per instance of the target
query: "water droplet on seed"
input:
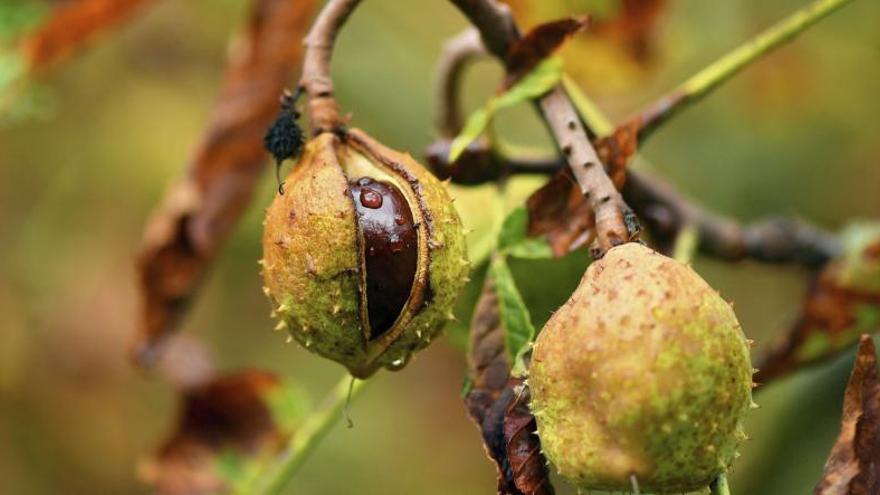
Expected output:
(396, 245)
(370, 198)
(399, 220)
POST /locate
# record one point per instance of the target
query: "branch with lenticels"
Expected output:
(499, 32)
(665, 211)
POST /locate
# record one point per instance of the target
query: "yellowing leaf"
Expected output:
(539, 81)
(519, 331)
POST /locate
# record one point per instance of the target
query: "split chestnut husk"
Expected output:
(364, 253)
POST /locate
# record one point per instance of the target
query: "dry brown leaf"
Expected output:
(634, 26)
(853, 467)
(231, 415)
(628, 25)
(561, 213)
(199, 212)
(538, 44)
(498, 404)
(830, 320)
(71, 24)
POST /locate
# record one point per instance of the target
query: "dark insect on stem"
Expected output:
(284, 138)
(633, 226)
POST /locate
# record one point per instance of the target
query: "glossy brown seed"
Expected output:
(390, 250)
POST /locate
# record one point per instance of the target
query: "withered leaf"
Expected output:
(561, 213)
(71, 24)
(199, 212)
(225, 428)
(633, 26)
(538, 44)
(830, 319)
(629, 26)
(498, 404)
(853, 467)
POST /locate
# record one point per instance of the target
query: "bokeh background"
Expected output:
(81, 169)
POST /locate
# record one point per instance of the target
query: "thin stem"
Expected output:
(706, 80)
(458, 52)
(720, 486)
(499, 32)
(309, 435)
(664, 209)
(776, 240)
(316, 79)
(686, 244)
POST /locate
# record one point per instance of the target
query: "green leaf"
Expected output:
(513, 230)
(539, 81)
(289, 404)
(519, 331)
(686, 244)
(11, 70)
(536, 83)
(240, 472)
(531, 248)
(467, 386)
(17, 16)
(514, 241)
(476, 123)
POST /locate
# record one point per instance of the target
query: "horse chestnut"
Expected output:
(643, 373)
(364, 253)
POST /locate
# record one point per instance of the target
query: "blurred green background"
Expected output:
(796, 134)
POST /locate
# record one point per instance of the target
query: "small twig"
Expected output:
(309, 436)
(686, 243)
(499, 32)
(720, 486)
(458, 52)
(781, 240)
(316, 79)
(634, 481)
(664, 209)
(666, 212)
(705, 81)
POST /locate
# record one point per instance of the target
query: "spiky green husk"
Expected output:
(644, 371)
(310, 254)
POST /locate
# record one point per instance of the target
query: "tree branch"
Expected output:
(707, 80)
(777, 240)
(458, 52)
(499, 32)
(316, 78)
(656, 202)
